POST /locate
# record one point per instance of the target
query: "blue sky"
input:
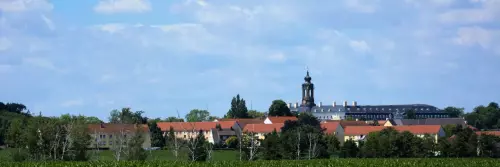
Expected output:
(92, 56)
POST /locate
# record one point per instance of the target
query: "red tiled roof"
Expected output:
(276, 119)
(116, 128)
(189, 126)
(263, 128)
(415, 129)
(244, 121)
(381, 122)
(495, 133)
(473, 128)
(330, 127)
(345, 123)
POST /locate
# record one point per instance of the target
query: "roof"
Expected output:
(381, 122)
(494, 133)
(433, 121)
(277, 119)
(415, 129)
(244, 121)
(115, 128)
(345, 123)
(189, 126)
(263, 128)
(330, 127)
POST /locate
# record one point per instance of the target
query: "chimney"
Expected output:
(345, 103)
(320, 104)
(354, 103)
(357, 119)
(296, 104)
(289, 105)
(102, 125)
(387, 119)
(334, 104)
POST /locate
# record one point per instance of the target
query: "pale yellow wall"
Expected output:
(109, 139)
(388, 123)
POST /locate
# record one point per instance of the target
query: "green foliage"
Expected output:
(157, 139)
(269, 149)
(484, 117)
(279, 108)
(454, 112)
(411, 114)
(489, 146)
(316, 163)
(238, 108)
(126, 116)
(197, 115)
(173, 119)
(349, 149)
(333, 144)
(197, 151)
(232, 142)
(255, 114)
(134, 150)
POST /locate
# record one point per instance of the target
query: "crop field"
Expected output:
(435, 162)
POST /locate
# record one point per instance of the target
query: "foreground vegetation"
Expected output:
(288, 163)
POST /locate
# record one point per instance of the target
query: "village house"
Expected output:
(357, 133)
(242, 122)
(108, 135)
(213, 134)
(277, 119)
(260, 130)
(334, 128)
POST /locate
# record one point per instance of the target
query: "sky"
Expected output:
(92, 56)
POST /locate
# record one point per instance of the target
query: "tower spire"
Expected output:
(307, 91)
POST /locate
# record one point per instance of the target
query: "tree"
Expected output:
(173, 143)
(279, 108)
(232, 142)
(195, 147)
(212, 118)
(270, 149)
(349, 149)
(489, 146)
(255, 114)
(454, 112)
(157, 139)
(411, 114)
(375, 123)
(134, 150)
(197, 115)
(174, 119)
(126, 116)
(333, 144)
(238, 108)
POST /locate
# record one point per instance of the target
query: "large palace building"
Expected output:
(368, 112)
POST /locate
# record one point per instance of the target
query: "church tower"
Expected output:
(307, 92)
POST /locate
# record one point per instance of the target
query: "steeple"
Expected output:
(307, 92)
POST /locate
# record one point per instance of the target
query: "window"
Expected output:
(110, 142)
(110, 136)
(321, 110)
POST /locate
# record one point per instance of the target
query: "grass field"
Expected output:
(217, 155)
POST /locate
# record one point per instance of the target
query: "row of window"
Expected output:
(110, 136)
(375, 109)
(380, 116)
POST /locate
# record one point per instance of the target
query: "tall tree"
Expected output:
(255, 114)
(134, 150)
(279, 108)
(157, 139)
(411, 114)
(173, 119)
(197, 115)
(238, 108)
(127, 116)
(270, 151)
(454, 112)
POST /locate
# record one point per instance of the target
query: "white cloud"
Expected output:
(4, 43)
(25, 5)
(488, 11)
(111, 28)
(39, 62)
(72, 103)
(49, 22)
(475, 35)
(359, 46)
(122, 6)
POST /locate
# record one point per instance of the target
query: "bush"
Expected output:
(232, 142)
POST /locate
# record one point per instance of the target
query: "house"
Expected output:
(278, 119)
(494, 133)
(187, 130)
(242, 122)
(260, 130)
(334, 128)
(107, 135)
(357, 133)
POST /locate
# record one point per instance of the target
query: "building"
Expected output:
(215, 132)
(107, 135)
(357, 133)
(334, 128)
(281, 119)
(242, 122)
(260, 130)
(432, 121)
(368, 112)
